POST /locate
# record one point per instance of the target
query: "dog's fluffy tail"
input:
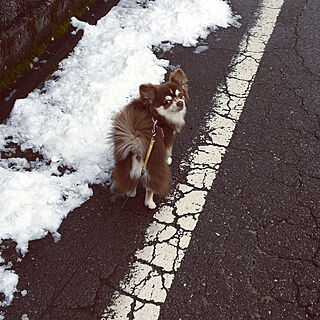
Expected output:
(127, 133)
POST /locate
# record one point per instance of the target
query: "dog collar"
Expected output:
(155, 125)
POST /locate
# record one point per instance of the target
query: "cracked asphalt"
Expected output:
(254, 253)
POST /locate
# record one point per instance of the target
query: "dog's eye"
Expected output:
(180, 95)
(167, 102)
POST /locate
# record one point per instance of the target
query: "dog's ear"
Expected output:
(179, 77)
(147, 93)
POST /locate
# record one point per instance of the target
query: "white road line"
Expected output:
(145, 288)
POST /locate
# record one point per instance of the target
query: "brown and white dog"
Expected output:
(162, 107)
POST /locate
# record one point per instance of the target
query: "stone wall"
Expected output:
(27, 26)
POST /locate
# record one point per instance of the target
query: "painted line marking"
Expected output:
(145, 288)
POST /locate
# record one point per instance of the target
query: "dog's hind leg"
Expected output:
(136, 166)
(149, 199)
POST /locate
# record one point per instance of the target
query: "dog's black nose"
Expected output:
(180, 104)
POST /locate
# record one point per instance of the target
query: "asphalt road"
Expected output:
(255, 251)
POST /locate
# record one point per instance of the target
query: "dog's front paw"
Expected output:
(169, 161)
(150, 204)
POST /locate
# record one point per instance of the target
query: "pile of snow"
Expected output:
(67, 121)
